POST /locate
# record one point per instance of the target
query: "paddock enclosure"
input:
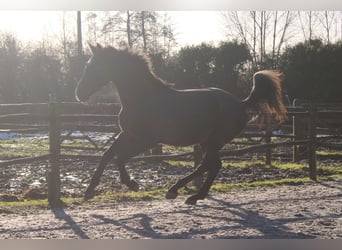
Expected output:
(53, 136)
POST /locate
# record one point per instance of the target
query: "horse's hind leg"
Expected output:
(202, 168)
(215, 165)
(210, 163)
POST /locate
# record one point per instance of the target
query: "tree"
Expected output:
(307, 21)
(67, 53)
(195, 65)
(143, 30)
(323, 25)
(40, 76)
(327, 20)
(230, 62)
(312, 71)
(205, 65)
(265, 33)
(10, 55)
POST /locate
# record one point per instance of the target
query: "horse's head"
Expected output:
(96, 74)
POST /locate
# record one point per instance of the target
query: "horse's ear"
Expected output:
(92, 48)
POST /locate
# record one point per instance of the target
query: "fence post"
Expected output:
(53, 175)
(312, 145)
(299, 127)
(268, 139)
(198, 156)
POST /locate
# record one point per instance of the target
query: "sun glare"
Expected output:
(194, 27)
(28, 25)
(191, 27)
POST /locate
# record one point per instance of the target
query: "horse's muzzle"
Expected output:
(80, 94)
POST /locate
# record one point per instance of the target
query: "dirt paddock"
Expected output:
(312, 210)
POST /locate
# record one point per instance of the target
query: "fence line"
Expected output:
(58, 116)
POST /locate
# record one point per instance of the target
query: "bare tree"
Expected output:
(129, 29)
(327, 20)
(67, 37)
(264, 32)
(147, 30)
(9, 66)
(307, 21)
(92, 27)
(323, 25)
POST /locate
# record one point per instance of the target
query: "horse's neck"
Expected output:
(137, 91)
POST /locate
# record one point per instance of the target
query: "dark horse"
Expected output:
(153, 112)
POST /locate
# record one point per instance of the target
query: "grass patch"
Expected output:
(178, 149)
(179, 163)
(23, 148)
(329, 153)
(290, 165)
(19, 206)
(241, 164)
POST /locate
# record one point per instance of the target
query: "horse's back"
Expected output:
(191, 116)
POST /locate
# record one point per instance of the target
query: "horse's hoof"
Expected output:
(171, 195)
(191, 201)
(133, 185)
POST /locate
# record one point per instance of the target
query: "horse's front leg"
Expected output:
(129, 148)
(105, 159)
(124, 147)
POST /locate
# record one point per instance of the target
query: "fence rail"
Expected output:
(57, 117)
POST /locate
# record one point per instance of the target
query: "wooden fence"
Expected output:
(56, 117)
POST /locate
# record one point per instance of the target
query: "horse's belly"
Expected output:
(184, 135)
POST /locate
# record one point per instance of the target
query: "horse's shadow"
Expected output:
(237, 216)
(244, 218)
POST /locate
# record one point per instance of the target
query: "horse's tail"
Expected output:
(265, 96)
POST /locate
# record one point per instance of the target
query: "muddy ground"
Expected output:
(310, 210)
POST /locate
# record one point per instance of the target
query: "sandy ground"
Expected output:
(304, 211)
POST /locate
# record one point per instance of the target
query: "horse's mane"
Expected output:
(137, 59)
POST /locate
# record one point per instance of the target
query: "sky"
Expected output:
(192, 27)
(198, 26)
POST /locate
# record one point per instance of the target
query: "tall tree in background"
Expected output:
(40, 76)
(307, 21)
(71, 62)
(312, 70)
(327, 20)
(195, 65)
(149, 31)
(230, 68)
(92, 27)
(206, 65)
(265, 32)
(10, 53)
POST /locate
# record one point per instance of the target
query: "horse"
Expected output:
(152, 112)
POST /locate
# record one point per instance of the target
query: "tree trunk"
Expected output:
(128, 30)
